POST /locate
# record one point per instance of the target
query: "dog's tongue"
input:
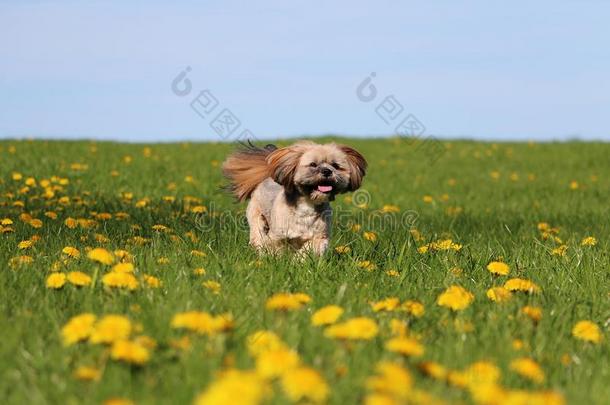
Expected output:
(325, 189)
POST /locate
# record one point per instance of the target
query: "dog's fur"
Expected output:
(290, 189)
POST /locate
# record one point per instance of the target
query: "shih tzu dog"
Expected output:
(290, 189)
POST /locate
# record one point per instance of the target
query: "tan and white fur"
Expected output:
(290, 190)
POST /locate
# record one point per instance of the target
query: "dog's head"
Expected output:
(317, 171)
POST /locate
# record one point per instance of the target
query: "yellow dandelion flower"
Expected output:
(35, 223)
(101, 255)
(534, 313)
(392, 273)
(198, 253)
(414, 308)
(326, 315)
(370, 236)
(305, 383)
(456, 298)
(287, 301)
(71, 252)
(25, 244)
(342, 249)
(519, 284)
(528, 368)
(152, 281)
(560, 250)
(262, 341)
(274, 363)
(587, 331)
(110, 329)
(123, 268)
(202, 322)
(390, 208)
(79, 278)
(56, 280)
(499, 294)
(390, 379)
(428, 199)
(118, 401)
(200, 271)
(78, 328)
(433, 370)
(367, 265)
(499, 268)
(589, 241)
(388, 304)
(405, 346)
(212, 285)
(199, 209)
(129, 352)
(85, 373)
(360, 328)
(235, 386)
(120, 280)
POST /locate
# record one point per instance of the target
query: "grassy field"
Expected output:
(530, 206)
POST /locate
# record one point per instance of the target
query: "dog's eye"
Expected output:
(313, 164)
(336, 166)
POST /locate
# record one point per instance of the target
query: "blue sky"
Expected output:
(486, 70)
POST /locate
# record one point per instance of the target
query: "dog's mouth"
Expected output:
(325, 188)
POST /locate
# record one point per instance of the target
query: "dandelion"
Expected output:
(414, 308)
(433, 370)
(123, 268)
(498, 268)
(391, 379)
(202, 322)
(326, 315)
(71, 252)
(243, 387)
(456, 298)
(200, 271)
(56, 280)
(390, 208)
(519, 284)
(499, 294)
(152, 281)
(120, 280)
(78, 278)
(198, 253)
(360, 328)
(287, 301)
(262, 341)
(78, 328)
(589, 241)
(587, 331)
(370, 236)
(534, 313)
(85, 373)
(405, 346)
(110, 329)
(528, 368)
(129, 352)
(101, 255)
(274, 363)
(304, 383)
(366, 265)
(212, 285)
(388, 304)
(560, 250)
(25, 244)
(342, 249)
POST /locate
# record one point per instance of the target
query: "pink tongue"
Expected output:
(325, 189)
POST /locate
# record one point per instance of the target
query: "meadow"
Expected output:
(478, 276)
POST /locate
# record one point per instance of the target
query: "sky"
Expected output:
(470, 69)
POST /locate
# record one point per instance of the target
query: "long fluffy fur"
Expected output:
(247, 168)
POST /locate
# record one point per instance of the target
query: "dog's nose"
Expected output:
(326, 172)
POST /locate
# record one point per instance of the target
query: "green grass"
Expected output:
(498, 219)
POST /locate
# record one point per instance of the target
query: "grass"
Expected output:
(487, 197)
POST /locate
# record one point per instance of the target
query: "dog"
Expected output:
(290, 190)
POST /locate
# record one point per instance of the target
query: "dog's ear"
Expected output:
(357, 166)
(283, 164)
